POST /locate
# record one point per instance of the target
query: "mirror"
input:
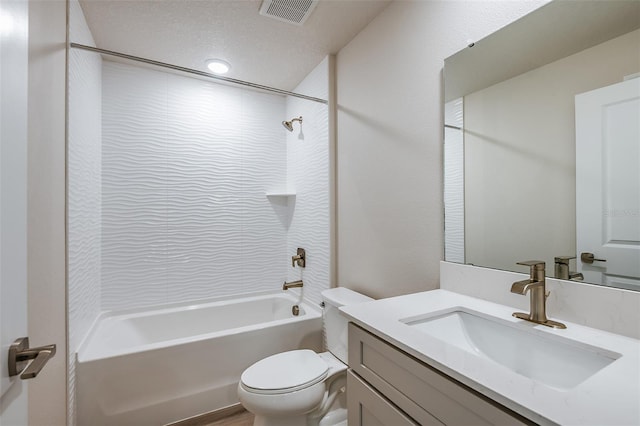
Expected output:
(519, 128)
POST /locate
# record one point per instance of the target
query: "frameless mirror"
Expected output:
(542, 156)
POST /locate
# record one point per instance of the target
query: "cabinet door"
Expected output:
(419, 390)
(366, 407)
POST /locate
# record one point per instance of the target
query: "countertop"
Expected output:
(609, 397)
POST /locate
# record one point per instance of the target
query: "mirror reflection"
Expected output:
(542, 157)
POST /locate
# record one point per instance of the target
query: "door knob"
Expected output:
(20, 353)
(590, 258)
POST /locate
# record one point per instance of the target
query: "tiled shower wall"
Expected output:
(186, 166)
(454, 181)
(308, 173)
(84, 192)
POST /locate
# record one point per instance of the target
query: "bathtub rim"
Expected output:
(310, 309)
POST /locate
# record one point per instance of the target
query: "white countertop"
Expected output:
(609, 397)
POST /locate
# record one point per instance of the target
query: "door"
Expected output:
(13, 204)
(608, 184)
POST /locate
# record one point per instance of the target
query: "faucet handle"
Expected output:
(563, 259)
(531, 263)
(535, 266)
(299, 258)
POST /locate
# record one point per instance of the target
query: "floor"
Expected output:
(244, 418)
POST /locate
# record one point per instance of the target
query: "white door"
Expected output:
(13, 204)
(608, 184)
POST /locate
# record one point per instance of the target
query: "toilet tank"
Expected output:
(334, 324)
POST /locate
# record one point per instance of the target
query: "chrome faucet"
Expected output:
(562, 269)
(292, 284)
(536, 286)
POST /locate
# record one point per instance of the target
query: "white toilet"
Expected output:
(298, 388)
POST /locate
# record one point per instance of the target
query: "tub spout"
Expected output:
(292, 284)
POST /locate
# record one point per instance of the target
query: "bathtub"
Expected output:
(161, 365)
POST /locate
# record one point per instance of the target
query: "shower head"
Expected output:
(289, 124)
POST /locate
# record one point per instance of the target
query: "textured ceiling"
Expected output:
(260, 49)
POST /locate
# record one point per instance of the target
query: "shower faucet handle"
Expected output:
(300, 258)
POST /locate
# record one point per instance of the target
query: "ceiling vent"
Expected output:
(292, 11)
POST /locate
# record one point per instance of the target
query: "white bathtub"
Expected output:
(158, 366)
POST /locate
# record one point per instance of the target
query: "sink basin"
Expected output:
(543, 357)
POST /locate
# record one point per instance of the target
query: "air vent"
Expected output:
(292, 11)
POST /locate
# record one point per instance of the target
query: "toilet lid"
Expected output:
(285, 372)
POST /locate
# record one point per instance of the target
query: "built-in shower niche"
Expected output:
(283, 204)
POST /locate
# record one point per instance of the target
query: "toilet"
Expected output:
(299, 388)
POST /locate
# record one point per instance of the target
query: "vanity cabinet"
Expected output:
(387, 386)
(368, 407)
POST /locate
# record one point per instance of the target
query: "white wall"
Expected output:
(308, 174)
(524, 129)
(84, 192)
(46, 238)
(389, 130)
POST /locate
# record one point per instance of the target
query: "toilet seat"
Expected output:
(285, 372)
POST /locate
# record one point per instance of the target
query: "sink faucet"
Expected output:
(562, 269)
(536, 287)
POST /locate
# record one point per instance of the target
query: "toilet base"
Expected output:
(337, 416)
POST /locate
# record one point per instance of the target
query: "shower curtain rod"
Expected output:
(196, 72)
(449, 126)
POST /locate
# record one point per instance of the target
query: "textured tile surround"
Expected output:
(308, 173)
(605, 308)
(84, 192)
(454, 181)
(186, 165)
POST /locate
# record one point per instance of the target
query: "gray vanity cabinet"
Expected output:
(368, 407)
(389, 387)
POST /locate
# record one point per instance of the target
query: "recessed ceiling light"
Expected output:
(218, 66)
